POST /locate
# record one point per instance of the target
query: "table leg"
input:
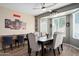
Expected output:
(62, 47)
(42, 53)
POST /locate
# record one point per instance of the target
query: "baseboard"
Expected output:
(72, 46)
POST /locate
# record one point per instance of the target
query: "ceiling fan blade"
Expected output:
(51, 5)
(43, 6)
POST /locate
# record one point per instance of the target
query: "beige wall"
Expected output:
(6, 13)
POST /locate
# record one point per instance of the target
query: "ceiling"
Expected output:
(30, 7)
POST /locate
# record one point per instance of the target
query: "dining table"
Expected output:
(44, 41)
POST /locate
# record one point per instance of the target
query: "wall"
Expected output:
(6, 13)
(69, 31)
(67, 38)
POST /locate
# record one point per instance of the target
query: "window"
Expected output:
(76, 25)
(44, 25)
(59, 24)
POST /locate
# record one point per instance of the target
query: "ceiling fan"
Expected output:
(44, 6)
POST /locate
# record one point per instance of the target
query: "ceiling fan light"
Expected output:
(44, 9)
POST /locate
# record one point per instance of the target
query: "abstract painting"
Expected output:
(16, 24)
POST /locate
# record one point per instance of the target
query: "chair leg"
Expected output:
(54, 52)
(3, 47)
(50, 49)
(29, 54)
(62, 47)
(29, 51)
(18, 44)
(58, 50)
(11, 47)
(36, 53)
(15, 44)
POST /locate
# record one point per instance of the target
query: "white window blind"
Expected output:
(76, 25)
(44, 25)
(59, 24)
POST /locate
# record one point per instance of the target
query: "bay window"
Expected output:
(76, 25)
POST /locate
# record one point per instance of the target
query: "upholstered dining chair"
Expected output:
(37, 35)
(7, 40)
(57, 42)
(20, 40)
(34, 47)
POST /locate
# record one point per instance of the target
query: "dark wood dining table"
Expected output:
(44, 42)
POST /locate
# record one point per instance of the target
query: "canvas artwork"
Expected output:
(16, 24)
(23, 25)
(8, 23)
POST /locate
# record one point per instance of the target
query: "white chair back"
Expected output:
(32, 42)
(37, 35)
(58, 39)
